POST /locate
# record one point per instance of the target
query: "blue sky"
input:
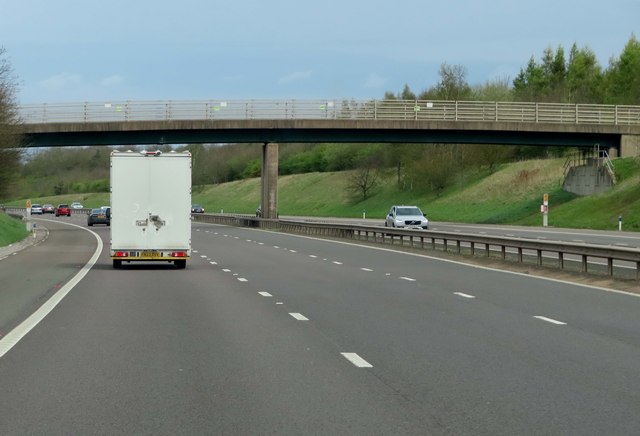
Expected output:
(87, 50)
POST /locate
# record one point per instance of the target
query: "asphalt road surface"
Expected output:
(268, 333)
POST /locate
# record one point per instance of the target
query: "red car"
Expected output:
(63, 209)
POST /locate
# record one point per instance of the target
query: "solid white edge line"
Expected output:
(299, 316)
(357, 360)
(15, 335)
(552, 321)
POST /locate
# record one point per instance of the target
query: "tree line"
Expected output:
(555, 77)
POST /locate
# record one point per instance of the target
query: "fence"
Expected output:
(418, 110)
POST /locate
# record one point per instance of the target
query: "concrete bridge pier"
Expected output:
(269, 197)
(630, 145)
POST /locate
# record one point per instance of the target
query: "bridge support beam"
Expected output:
(269, 197)
(630, 145)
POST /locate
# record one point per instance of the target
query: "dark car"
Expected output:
(99, 216)
(196, 208)
(63, 209)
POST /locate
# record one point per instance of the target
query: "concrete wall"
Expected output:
(587, 180)
(629, 145)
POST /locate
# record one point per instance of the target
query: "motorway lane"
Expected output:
(155, 350)
(484, 363)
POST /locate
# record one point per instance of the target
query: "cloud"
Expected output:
(375, 81)
(294, 77)
(61, 80)
(114, 80)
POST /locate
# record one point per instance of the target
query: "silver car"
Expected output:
(408, 217)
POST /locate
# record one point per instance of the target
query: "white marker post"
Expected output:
(28, 215)
(545, 210)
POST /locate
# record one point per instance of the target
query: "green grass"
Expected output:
(11, 230)
(510, 195)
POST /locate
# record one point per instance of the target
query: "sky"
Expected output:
(116, 50)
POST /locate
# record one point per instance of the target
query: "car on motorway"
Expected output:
(36, 209)
(76, 205)
(406, 217)
(63, 209)
(48, 208)
(99, 216)
(196, 208)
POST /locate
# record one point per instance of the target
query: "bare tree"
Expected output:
(10, 126)
(363, 181)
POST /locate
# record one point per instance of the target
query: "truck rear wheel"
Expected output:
(117, 263)
(181, 264)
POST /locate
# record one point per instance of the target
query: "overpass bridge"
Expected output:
(269, 122)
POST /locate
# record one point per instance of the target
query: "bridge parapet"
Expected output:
(402, 110)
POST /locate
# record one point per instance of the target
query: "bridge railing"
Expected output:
(419, 110)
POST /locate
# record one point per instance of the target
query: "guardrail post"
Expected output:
(519, 254)
(539, 256)
(584, 263)
(610, 266)
(458, 247)
(560, 260)
(503, 249)
(473, 249)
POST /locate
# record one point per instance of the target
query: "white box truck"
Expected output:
(150, 207)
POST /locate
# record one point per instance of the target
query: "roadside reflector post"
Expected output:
(620, 223)
(545, 210)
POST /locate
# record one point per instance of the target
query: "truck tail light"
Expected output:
(122, 254)
(178, 254)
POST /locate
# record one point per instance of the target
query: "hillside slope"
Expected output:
(510, 195)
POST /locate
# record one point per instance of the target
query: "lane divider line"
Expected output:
(464, 295)
(265, 294)
(357, 360)
(552, 321)
(299, 316)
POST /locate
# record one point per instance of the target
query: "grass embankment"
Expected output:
(510, 195)
(11, 230)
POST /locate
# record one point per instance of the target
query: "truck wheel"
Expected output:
(117, 263)
(181, 264)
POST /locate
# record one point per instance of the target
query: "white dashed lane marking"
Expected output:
(409, 279)
(552, 321)
(357, 360)
(242, 279)
(299, 316)
(265, 294)
(366, 269)
(464, 295)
